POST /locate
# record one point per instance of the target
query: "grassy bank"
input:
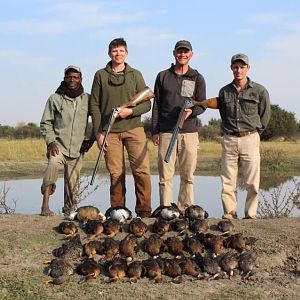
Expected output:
(19, 158)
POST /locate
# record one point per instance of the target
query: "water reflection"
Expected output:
(26, 193)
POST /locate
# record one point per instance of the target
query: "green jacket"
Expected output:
(110, 91)
(247, 110)
(65, 121)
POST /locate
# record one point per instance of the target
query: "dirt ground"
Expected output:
(27, 240)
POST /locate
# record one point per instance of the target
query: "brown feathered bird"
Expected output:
(117, 269)
(67, 228)
(92, 248)
(247, 261)
(193, 245)
(180, 225)
(129, 246)
(112, 227)
(194, 212)
(228, 262)
(154, 245)
(137, 227)
(84, 213)
(225, 226)
(236, 241)
(59, 269)
(110, 248)
(89, 269)
(160, 226)
(135, 271)
(93, 228)
(189, 267)
(172, 269)
(153, 269)
(209, 265)
(175, 246)
(212, 241)
(198, 225)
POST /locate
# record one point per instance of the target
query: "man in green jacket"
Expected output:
(113, 86)
(63, 126)
(245, 112)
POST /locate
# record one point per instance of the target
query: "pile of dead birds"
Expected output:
(171, 247)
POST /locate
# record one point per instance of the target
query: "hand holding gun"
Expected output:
(187, 103)
(144, 95)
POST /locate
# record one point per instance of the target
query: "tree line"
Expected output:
(283, 124)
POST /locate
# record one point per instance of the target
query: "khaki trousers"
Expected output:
(72, 167)
(185, 150)
(136, 145)
(243, 150)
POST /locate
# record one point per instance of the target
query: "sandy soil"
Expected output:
(27, 240)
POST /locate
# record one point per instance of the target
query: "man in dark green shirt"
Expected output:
(245, 112)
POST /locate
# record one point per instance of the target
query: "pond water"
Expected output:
(26, 194)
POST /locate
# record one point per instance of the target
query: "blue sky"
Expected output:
(38, 39)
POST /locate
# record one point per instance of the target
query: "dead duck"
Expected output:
(84, 213)
(236, 241)
(247, 261)
(193, 245)
(137, 227)
(134, 271)
(209, 265)
(194, 212)
(59, 269)
(160, 226)
(67, 228)
(189, 267)
(129, 246)
(170, 212)
(70, 250)
(154, 245)
(228, 262)
(175, 246)
(153, 269)
(112, 227)
(212, 241)
(225, 226)
(172, 269)
(89, 269)
(180, 225)
(110, 248)
(92, 248)
(198, 225)
(117, 269)
(93, 228)
(119, 213)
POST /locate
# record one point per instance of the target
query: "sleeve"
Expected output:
(94, 104)
(47, 122)
(145, 106)
(154, 121)
(200, 94)
(264, 109)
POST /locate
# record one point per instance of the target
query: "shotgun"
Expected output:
(142, 96)
(187, 103)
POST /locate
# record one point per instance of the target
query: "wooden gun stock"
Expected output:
(144, 95)
(212, 103)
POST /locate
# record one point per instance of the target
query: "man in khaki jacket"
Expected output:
(63, 126)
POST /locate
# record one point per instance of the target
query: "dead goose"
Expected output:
(167, 212)
(195, 212)
(84, 213)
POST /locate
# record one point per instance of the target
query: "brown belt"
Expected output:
(242, 133)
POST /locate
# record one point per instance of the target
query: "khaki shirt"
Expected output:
(247, 110)
(65, 121)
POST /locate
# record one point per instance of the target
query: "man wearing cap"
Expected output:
(245, 111)
(172, 86)
(63, 125)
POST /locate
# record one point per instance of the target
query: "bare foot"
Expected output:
(47, 212)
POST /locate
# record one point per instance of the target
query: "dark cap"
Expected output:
(243, 57)
(183, 44)
(75, 68)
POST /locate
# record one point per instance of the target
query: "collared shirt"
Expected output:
(64, 122)
(247, 110)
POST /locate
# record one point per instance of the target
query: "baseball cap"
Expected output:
(183, 44)
(243, 57)
(72, 67)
